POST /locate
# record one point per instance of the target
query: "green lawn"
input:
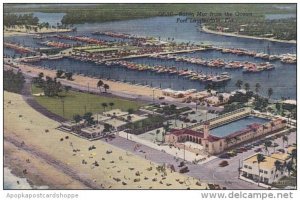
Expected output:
(79, 103)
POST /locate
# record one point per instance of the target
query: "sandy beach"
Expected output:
(205, 29)
(69, 155)
(92, 82)
(21, 30)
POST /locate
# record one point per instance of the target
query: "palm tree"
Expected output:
(156, 133)
(257, 87)
(104, 105)
(278, 166)
(284, 139)
(106, 87)
(111, 104)
(270, 92)
(221, 98)
(100, 84)
(247, 86)
(77, 118)
(260, 158)
(129, 118)
(294, 155)
(239, 84)
(267, 144)
(274, 146)
(289, 167)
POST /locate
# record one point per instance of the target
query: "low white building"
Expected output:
(265, 171)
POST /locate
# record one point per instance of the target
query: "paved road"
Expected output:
(26, 94)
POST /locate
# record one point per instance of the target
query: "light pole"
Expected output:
(63, 106)
(183, 152)
(153, 96)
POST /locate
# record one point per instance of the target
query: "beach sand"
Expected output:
(92, 82)
(20, 30)
(117, 170)
(38, 170)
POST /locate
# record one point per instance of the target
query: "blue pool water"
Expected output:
(238, 125)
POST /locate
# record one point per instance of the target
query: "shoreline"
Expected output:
(15, 162)
(206, 30)
(9, 32)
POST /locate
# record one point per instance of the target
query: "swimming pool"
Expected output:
(238, 125)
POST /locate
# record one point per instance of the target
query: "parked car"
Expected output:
(258, 150)
(181, 164)
(223, 163)
(224, 156)
(256, 144)
(184, 169)
(281, 150)
(239, 150)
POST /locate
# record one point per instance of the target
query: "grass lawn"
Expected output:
(79, 103)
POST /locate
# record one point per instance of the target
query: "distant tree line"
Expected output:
(16, 19)
(13, 82)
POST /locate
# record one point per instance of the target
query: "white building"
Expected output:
(265, 171)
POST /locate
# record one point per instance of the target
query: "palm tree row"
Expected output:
(240, 83)
(102, 84)
(105, 105)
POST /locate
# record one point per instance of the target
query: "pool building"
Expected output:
(218, 137)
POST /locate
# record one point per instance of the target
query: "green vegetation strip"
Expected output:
(80, 103)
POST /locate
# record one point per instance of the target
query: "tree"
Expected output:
(284, 139)
(270, 92)
(267, 144)
(247, 86)
(239, 84)
(67, 88)
(77, 118)
(59, 73)
(88, 118)
(274, 146)
(294, 155)
(100, 84)
(69, 75)
(156, 133)
(257, 88)
(289, 167)
(278, 166)
(130, 111)
(13, 82)
(104, 105)
(260, 158)
(106, 87)
(129, 118)
(107, 127)
(111, 104)
(221, 98)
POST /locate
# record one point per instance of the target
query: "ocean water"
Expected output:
(10, 182)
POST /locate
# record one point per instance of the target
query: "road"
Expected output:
(209, 172)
